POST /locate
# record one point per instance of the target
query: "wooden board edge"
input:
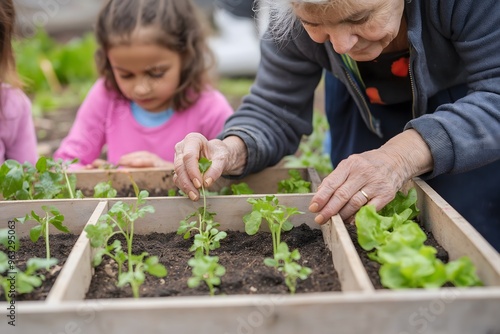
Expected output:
(74, 279)
(350, 269)
(456, 234)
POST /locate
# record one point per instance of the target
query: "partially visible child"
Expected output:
(17, 132)
(154, 89)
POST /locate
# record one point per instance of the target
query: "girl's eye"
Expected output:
(126, 76)
(156, 75)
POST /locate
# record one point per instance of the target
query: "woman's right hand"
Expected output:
(228, 157)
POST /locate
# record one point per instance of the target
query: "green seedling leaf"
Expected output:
(204, 164)
(104, 190)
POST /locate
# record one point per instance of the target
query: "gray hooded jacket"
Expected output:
(451, 42)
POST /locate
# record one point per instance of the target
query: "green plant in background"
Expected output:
(268, 208)
(52, 217)
(56, 75)
(310, 152)
(48, 179)
(207, 237)
(120, 220)
(397, 242)
(294, 184)
(104, 190)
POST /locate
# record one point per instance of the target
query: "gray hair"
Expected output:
(282, 20)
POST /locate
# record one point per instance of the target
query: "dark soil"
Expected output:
(373, 267)
(240, 254)
(60, 247)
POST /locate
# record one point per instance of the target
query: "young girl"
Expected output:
(154, 87)
(17, 132)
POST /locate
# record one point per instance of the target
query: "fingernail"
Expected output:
(192, 196)
(314, 207)
(197, 183)
(319, 219)
(208, 182)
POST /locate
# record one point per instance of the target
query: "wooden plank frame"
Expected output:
(357, 309)
(159, 180)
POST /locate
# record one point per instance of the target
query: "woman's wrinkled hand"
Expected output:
(372, 177)
(227, 158)
(361, 179)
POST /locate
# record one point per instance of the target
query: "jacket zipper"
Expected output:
(412, 84)
(367, 109)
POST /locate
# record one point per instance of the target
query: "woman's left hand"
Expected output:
(372, 177)
(141, 159)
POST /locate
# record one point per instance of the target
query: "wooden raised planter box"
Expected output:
(358, 308)
(158, 181)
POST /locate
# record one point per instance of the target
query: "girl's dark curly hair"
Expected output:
(180, 28)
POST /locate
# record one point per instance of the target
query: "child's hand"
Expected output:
(98, 163)
(143, 159)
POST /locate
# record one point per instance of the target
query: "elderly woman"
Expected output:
(412, 89)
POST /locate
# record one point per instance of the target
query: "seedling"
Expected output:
(206, 269)
(24, 281)
(52, 217)
(276, 215)
(104, 190)
(397, 243)
(206, 238)
(294, 184)
(120, 220)
(286, 262)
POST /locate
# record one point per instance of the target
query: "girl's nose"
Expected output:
(142, 87)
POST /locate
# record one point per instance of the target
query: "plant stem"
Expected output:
(71, 195)
(47, 244)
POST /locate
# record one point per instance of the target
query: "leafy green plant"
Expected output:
(207, 237)
(286, 262)
(24, 281)
(48, 179)
(397, 242)
(310, 152)
(268, 208)
(206, 269)
(104, 190)
(120, 221)
(52, 217)
(294, 184)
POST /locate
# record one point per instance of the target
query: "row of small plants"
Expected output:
(119, 221)
(47, 179)
(201, 227)
(396, 241)
(50, 179)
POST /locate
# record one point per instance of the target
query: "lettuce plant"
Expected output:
(294, 184)
(397, 243)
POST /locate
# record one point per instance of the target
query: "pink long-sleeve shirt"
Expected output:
(105, 118)
(17, 132)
